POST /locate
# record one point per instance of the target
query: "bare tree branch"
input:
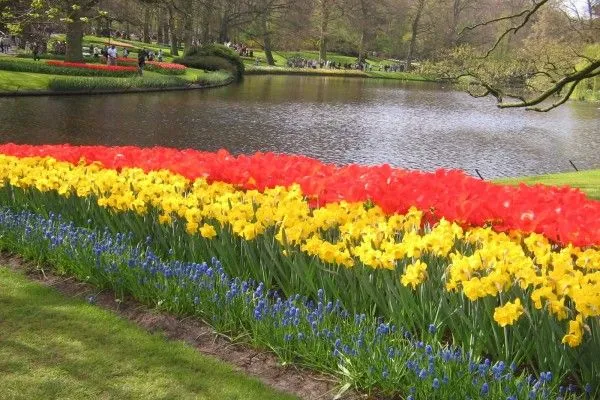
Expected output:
(575, 78)
(525, 14)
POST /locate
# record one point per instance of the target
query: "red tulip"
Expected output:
(564, 215)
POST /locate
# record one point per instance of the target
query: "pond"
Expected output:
(339, 120)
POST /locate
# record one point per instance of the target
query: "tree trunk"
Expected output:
(224, 28)
(456, 11)
(173, 32)
(323, 34)
(267, 38)
(160, 38)
(164, 25)
(187, 32)
(207, 14)
(147, 25)
(188, 26)
(74, 52)
(99, 26)
(361, 47)
(268, 51)
(364, 26)
(415, 32)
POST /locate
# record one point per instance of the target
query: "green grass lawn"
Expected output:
(588, 181)
(14, 81)
(91, 39)
(52, 347)
(281, 58)
(403, 76)
(17, 81)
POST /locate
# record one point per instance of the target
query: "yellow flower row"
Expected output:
(565, 282)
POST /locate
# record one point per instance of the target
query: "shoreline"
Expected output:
(398, 76)
(40, 93)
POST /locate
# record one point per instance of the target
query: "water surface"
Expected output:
(340, 120)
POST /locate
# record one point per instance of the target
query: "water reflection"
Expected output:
(338, 120)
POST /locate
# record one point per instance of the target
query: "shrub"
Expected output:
(213, 58)
(207, 63)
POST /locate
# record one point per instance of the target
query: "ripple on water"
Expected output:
(340, 120)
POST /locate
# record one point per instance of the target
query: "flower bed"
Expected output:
(61, 68)
(563, 215)
(155, 66)
(299, 226)
(363, 352)
(114, 70)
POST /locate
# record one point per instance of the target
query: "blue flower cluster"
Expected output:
(370, 354)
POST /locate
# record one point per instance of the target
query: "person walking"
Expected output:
(112, 55)
(35, 50)
(142, 60)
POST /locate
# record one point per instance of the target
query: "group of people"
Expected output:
(111, 54)
(299, 62)
(241, 49)
(393, 68)
(6, 43)
(59, 47)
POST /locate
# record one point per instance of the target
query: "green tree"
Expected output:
(73, 14)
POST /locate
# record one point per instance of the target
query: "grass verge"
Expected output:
(267, 70)
(17, 81)
(587, 181)
(55, 347)
(25, 81)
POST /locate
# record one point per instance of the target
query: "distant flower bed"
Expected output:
(95, 67)
(155, 66)
(55, 67)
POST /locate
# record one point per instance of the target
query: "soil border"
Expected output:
(262, 365)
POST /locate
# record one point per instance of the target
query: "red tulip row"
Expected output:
(97, 67)
(157, 64)
(564, 215)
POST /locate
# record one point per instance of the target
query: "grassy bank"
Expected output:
(24, 81)
(588, 181)
(17, 81)
(55, 347)
(267, 70)
(281, 58)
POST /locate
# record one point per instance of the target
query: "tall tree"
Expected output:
(73, 14)
(326, 11)
(364, 18)
(419, 7)
(267, 14)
